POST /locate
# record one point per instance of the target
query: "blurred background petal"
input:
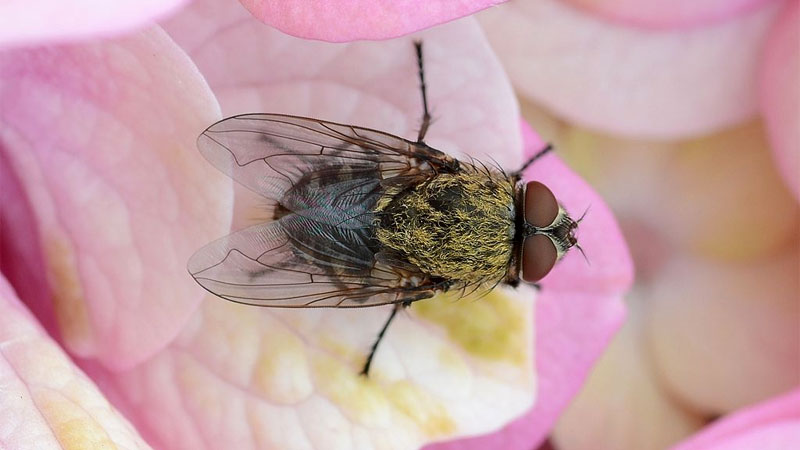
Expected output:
(770, 425)
(668, 13)
(627, 80)
(714, 311)
(36, 22)
(780, 94)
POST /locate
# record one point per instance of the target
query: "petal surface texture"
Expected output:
(101, 137)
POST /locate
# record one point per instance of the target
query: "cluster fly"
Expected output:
(364, 218)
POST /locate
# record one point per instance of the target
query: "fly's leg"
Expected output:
(518, 173)
(427, 292)
(426, 116)
(365, 370)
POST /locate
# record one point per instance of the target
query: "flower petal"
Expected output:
(45, 401)
(750, 353)
(252, 68)
(41, 21)
(698, 262)
(289, 378)
(668, 13)
(280, 378)
(349, 20)
(622, 405)
(771, 425)
(628, 80)
(102, 139)
(780, 94)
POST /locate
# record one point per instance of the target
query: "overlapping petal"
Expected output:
(714, 312)
(629, 80)
(349, 20)
(101, 138)
(771, 425)
(780, 94)
(668, 13)
(45, 401)
(30, 22)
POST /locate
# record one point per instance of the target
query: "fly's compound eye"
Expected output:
(541, 207)
(538, 257)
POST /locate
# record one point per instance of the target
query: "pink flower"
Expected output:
(686, 123)
(106, 197)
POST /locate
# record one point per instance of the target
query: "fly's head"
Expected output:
(545, 231)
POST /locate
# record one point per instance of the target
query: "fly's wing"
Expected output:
(300, 262)
(270, 153)
(327, 178)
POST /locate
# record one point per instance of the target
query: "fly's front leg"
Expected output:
(426, 116)
(518, 173)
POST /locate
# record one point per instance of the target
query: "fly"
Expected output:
(365, 218)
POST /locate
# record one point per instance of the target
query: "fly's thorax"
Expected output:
(455, 226)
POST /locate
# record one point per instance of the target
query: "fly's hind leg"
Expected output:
(365, 370)
(423, 293)
(426, 116)
(397, 307)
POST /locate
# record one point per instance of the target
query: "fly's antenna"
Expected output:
(584, 214)
(580, 249)
(578, 246)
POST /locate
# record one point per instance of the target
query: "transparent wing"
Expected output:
(299, 262)
(269, 153)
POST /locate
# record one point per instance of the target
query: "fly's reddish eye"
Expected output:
(538, 257)
(541, 207)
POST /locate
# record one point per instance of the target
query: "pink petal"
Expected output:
(28, 22)
(698, 262)
(668, 13)
(715, 223)
(750, 353)
(771, 425)
(579, 310)
(622, 405)
(45, 401)
(349, 20)
(628, 80)
(274, 378)
(780, 94)
(288, 379)
(102, 140)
